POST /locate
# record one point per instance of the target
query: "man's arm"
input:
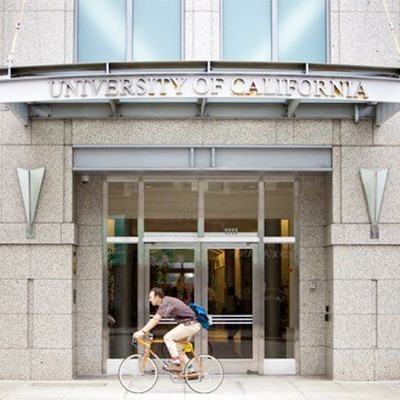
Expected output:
(148, 327)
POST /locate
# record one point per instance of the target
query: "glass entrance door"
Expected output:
(228, 289)
(173, 269)
(219, 276)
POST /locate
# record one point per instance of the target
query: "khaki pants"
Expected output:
(180, 332)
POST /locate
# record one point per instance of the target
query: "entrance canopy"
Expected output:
(201, 89)
(202, 158)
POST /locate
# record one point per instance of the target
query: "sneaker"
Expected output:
(172, 368)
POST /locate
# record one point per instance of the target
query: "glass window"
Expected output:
(122, 208)
(173, 271)
(247, 30)
(231, 207)
(279, 208)
(170, 206)
(156, 30)
(253, 32)
(122, 298)
(104, 32)
(302, 30)
(101, 30)
(279, 298)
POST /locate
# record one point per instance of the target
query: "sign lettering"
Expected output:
(192, 86)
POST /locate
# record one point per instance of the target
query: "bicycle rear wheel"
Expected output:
(137, 374)
(204, 374)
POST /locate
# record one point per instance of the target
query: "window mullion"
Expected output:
(275, 30)
(129, 30)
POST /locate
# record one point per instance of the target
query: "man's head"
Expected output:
(156, 296)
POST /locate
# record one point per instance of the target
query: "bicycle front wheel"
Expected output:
(204, 374)
(138, 374)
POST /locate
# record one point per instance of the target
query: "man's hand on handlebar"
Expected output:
(137, 335)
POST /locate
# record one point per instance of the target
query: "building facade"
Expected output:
(210, 147)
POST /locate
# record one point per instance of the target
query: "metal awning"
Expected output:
(202, 158)
(209, 89)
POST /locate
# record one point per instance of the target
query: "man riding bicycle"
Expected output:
(171, 307)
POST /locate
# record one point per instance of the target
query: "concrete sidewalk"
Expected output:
(235, 387)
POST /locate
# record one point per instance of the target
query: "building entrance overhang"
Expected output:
(194, 89)
(93, 159)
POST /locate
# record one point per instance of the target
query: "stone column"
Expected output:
(37, 312)
(312, 275)
(89, 205)
(202, 30)
(363, 332)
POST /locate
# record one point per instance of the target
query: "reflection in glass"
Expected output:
(101, 30)
(122, 208)
(279, 272)
(279, 205)
(122, 298)
(231, 205)
(302, 30)
(156, 30)
(279, 307)
(247, 30)
(170, 206)
(230, 302)
(173, 271)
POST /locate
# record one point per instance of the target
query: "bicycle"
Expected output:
(138, 373)
(165, 352)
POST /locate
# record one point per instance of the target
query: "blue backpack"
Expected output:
(201, 315)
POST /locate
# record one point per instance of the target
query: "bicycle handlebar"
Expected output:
(135, 342)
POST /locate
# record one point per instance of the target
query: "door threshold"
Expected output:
(280, 366)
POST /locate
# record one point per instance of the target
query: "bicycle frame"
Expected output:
(148, 352)
(203, 373)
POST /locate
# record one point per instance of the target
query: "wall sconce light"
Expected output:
(30, 182)
(374, 183)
